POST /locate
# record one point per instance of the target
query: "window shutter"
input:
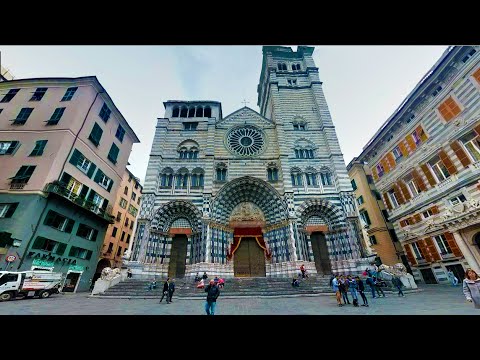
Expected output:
(398, 194)
(374, 173)
(432, 249)
(418, 180)
(387, 201)
(49, 218)
(428, 174)
(411, 143)
(91, 194)
(65, 178)
(30, 170)
(391, 160)
(110, 185)
(423, 250)
(417, 218)
(402, 223)
(94, 236)
(403, 148)
(91, 170)
(453, 244)
(98, 176)
(61, 249)
(39, 242)
(72, 251)
(89, 255)
(84, 191)
(421, 134)
(405, 192)
(69, 227)
(104, 204)
(462, 156)
(447, 162)
(11, 210)
(12, 148)
(434, 209)
(75, 157)
(410, 256)
(385, 164)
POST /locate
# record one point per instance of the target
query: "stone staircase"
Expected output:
(236, 287)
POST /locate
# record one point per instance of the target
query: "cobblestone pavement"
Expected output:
(432, 299)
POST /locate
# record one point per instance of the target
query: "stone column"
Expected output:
(467, 253)
(292, 242)
(207, 247)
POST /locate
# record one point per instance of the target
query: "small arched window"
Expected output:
(326, 178)
(297, 178)
(182, 178)
(191, 112)
(272, 174)
(166, 178)
(175, 112)
(125, 191)
(207, 112)
(199, 112)
(311, 177)
(184, 111)
(221, 172)
(197, 178)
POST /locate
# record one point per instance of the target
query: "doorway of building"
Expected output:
(249, 259)
(320, 253)
(457, 271)
(428, 276)
(178, 256)
(71, 281)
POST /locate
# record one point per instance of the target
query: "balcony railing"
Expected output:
(80, 201)
(17, 186)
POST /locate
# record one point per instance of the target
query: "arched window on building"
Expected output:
(199, 112)
(272, 172)
(184, 111)
(207, 112)
(166, 178)
(326, 177)
(191, 111)
(295, 67)
(476, 240)
(176, 111)
(311, 177)
(125, 191)
(297, 178)
(182, 178)
(304, 149)
(282, 66)
(188, 149)
(221, 172)
(197, 178)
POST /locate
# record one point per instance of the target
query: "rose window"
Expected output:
(245, 141)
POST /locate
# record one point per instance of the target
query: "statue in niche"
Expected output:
(246, 211)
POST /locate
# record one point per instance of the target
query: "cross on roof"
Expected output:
(245, 102)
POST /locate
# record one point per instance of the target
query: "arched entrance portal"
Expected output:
(320, 253)
(178, 256)
(102, 264)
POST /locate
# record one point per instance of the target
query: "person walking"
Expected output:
(378, 287)
(165, 289)
(453, 279)
(129, 273)
(352, 286)
(471, 287)
(204, 276)
(295, 282)
(370, 282)
(398, 284)
(304, 272)
(336, 290)
(361, 289)
(213, 292)
(171, 290)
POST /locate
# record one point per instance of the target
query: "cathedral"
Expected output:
(250, 194)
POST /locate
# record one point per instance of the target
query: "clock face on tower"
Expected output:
(246, 141)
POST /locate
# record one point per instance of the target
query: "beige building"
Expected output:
(380, 238)
(425, 161)
(120, 233)
(64, 147)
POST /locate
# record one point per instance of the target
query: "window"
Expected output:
(197, 180)
(182, 180)
(166, 180)
(125, 191)
(385, 214)
(128, 236)
(45, 244)
(191, 126)
(132, 210)
(39, 147)
(406, 221)
(8, 278)
(69, 94)
(469, 55)
(416, 250)
(457, 199)
(110, 248)
(22, 116)
(292, 82)
(410, 118)
(7, 210)
(119, 214)
(365, 217)
(38, 94)
(105, 113)
(373, 240)
(297, 179)
(397, 153)
(23, 174)
(56, 116)
(380, 170)
(416, 138)
(272, 174)
(9, 96)
(393, 198)
(221, 174)
(472, 145)
(136, 185)
(131, 225)
(80, 253)
(326, 179)
(114, 231)
(134, 196)
(123, 236)
(282, 66)
(123, 203)
(207, 112)
(439, 169)
(449, 109)
(393, 235)
(436, 91)
(83, 163)
(369, 179)
(8, 147)
(304, 153)
(360, 200)
(126, 221)
(103, 180)
(427, 213)
(87, 232)
(113, 153)
(295, 67)
(354, 184)
(175, 111)
(119, 250)
(58, 221)
(377, 195)
(412, 187)
(299, 127)
(311, 179)
(96, 134)
(443, 244)
(120, 133)
(73, 186)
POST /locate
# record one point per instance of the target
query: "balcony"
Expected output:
(60, 190)
(17, 186)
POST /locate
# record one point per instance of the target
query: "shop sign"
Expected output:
(44, 263)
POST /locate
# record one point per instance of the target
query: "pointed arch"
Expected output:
(324, 209)
(177, 209)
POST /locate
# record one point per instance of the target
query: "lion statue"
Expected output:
(109, 273)
(398, 269)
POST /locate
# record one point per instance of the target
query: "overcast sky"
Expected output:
(363, 85)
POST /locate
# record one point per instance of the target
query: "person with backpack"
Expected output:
(361, 289)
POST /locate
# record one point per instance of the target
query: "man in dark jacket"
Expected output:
(171, 290)
(213, 292)
(165, 289)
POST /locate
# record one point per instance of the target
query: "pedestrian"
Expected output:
(204, 276)
(453, 279)
(221, 283)
(352, 286)
(343, 286)
(378, 287)
(398, 284)
(295, 282)
(129, 273)
(165, 290)
(336, 290)
(304, 272)
(215, 279)
(370, 282)
(152, 285)
(171, 290)
(197, 278)
(471, 287)
(213, 292)
(361, 289)
(201, 284)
